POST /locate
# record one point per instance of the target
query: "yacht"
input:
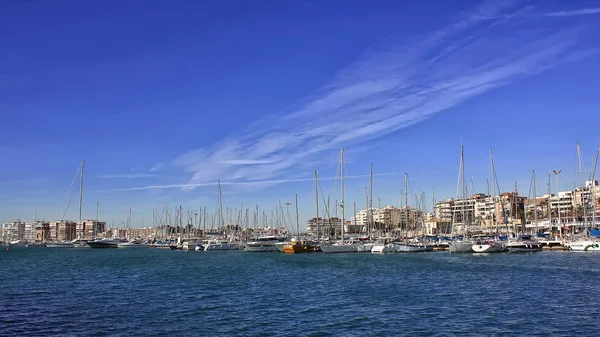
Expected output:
(524, 243)
(383, 246)
(104, 243)
(412, 247)
(350, 246)
(300, 246)
(489, 246)
(584, 245)
(58, 244)
(461, 246)
(263, 244)
(133, 244)
(221, 245)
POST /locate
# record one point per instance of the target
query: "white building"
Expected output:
(13, 231)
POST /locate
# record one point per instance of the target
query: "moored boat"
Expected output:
(133, 244)
(104, 243)
(524, 243)
(263, 244)
(58, 244)
(300, 246)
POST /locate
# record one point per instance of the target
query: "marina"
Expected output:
(140, 291)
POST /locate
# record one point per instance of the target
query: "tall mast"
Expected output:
(342, 190)
(534, 202)
(494, 216)
(97, 212)
(80, 197)
(371, 222)
(462, 164)
(317, 202)
(580, 163)
(297, 218)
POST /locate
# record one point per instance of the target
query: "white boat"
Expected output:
(489, 246)
(524, 243)
(221, 245)
(264, 244)
(133, 244)
(58, 244)
(381, 248)
(351, 246)
(461, 246)
(584, 245)
(412, 247)
(365, 247)
(279, 245)
(18, 243)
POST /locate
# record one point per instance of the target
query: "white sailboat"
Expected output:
(462, 245)
(221, 244)
(71, 244)
(491, 244)
(341, 246)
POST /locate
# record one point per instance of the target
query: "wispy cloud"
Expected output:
(126, 176)
(575, 12)
(246, 183)
(386, 90)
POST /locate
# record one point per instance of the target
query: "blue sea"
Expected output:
(151, 292)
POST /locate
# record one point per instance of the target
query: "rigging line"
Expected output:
(67, 194)
(353, 185)
(325, 204)
(67, 208)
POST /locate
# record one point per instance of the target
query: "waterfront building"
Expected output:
(324, 225)
(90, 229)
(42, 230)
(62, 230)
(13, 231)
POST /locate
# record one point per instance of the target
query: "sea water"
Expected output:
(150, 292)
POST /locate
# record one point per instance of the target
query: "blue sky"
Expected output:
(162, 99)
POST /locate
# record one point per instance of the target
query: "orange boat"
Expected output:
(297, 247)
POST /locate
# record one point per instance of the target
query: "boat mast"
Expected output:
(462, 163)
(548, 205)
(371, 222)
(297, 218)
(80, 199)
(534, 202)
(342, 190)
(96, 224)
(406, 211)
(494, 219)
(317, 203)
(221, 208)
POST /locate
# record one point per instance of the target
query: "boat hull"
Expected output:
(494, 247)
(584, 246)
(299, 248)
(382, 249)
(460, 247)
(525, 247)
(222, 246)
(60, 245)
(340, 248)
(411, 248)
(102, 244)
(259, 247)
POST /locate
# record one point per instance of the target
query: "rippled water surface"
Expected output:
(99, 292)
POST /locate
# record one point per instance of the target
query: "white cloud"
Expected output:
(575, 12)
(126, 176)
(384, 91)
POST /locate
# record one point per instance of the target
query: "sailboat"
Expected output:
(296, 246)
(219, 244)
(586, 242)
(71, 244)
(341, 246)
(411, 246)
(463, 245)
(491, 245)
(524, 242)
